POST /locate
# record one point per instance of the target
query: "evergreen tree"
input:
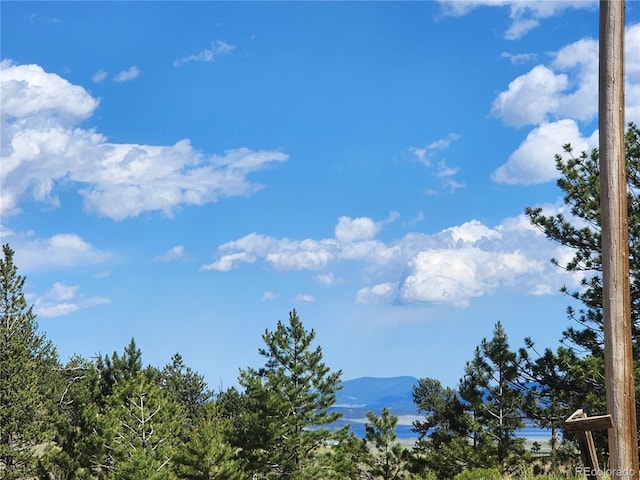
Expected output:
(206, 455)
(492, 389)
(446, 443)
(389, 458)
(475, 425)
(287, 402)
(347, 457)
(186, 386)
(28, 379)
(79, 427)
(580, 359)
(143, 426)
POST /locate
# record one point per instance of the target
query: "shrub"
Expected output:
(479, 474)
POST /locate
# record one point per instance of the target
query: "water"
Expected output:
(405, 432)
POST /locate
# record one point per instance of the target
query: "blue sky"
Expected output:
(187, 173)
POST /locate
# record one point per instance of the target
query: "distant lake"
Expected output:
(404, 432)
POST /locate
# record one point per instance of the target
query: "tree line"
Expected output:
(112, 417)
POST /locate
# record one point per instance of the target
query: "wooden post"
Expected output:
(582, 426)
(623, 446)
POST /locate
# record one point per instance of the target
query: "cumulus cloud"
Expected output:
(525, 14)
(350, 229)
(534, 160)
(452, 266)
(65, 250)
(217, 48)
(64, 299)
(555, 99)
(127, 75)
(381, 293)
(530, 98)
(31, 95)
(455, 276)
(44, 148)
(632, 72)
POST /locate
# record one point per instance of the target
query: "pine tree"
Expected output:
(186, 386)
(206, 455)
(288, 401)
(28, 380)
(580, 359)
(447, 442)
(389, 458)
(79, 426)
(491, 387)
(143, 425)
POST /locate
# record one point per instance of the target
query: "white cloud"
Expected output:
(440, 170)
(99, 76)
(58, 251)
(304, 297)
(517, 58)
(350, 229)
(530, 97)
(218, 47)
(305, 255)
(568, 87)
(525, 14)
(381, 293)
(127, 75)
(30, 95)
(470, 232)
(534, 160)
(425, 154)
(326, 278)
(455, 276)
(228, 262)
(64, 299)
(632, 72)
(173, 254)
(554, 99)
(43, 147)
(452, 266)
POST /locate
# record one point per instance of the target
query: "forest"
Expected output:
(113, 417)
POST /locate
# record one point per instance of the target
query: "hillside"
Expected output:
(364, 394)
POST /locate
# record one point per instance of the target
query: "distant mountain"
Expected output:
(373, 393)
(365, 394)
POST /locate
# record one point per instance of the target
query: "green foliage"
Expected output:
(490, 387)
(206, 455)
(287, 403)
(142, 426)
(112, 418)
(479, 474)
(475, 425)
(389, 459)
(186, 386)
(28, 378)
(346, 457)
(444, 443)
(578, 365)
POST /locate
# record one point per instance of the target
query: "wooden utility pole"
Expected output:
(621, 405)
